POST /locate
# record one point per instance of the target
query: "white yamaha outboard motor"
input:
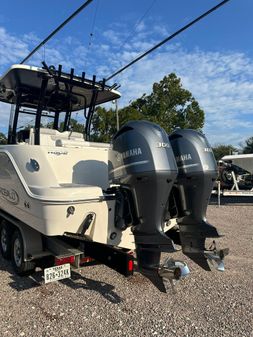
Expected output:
(142, 163)
(197, 172)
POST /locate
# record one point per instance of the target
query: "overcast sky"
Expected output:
(213, 58)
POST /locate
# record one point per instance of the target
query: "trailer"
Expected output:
(236, 175)
(65, 199)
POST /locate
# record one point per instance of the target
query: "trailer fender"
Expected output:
(32, 239)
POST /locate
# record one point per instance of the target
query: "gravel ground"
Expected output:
(98, 302)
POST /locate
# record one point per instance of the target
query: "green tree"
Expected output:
(248, 148)
(103, 125)
(74, 124)
(221, 150)
(169, 105)
(3, 139)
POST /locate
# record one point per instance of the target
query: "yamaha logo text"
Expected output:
(129, 153)
(183, 157)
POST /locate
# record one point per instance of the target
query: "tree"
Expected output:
(3, 139)
(74, 125)
(169, 105)
(221, 150)
(103, 125)
(248, 148)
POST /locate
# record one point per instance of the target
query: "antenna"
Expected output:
(167, 39)
(57, 30)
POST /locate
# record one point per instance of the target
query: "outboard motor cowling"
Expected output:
(142, 163)
(197, 172)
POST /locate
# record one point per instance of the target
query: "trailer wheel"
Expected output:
(5, 240)
(226, 176)
(20, 266)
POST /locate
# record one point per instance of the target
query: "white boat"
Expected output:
(43, 175)
(63, 196)
(245, 161)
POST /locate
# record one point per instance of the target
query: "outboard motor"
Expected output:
(142, 163)
(197, 172)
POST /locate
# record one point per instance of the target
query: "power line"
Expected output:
(167, 39)
(138, 22)
(93, 24)
(56, 30)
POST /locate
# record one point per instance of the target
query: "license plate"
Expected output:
(57, 273)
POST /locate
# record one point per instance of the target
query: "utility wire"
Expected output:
(56, 30)
(138, 22)
(93, 24)
(91, 35)
(44, 53)
(167, 39)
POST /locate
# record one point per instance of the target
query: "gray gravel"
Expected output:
(99, 302)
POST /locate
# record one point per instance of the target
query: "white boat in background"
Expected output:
(245, 161)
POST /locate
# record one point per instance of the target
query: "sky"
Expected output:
(214, 58)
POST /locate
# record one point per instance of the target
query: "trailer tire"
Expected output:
(20, 266)
(226, 176)
(5, 239)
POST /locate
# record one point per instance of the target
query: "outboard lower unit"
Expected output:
(143, 165)
(197, 172)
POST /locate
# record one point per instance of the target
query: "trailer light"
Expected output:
(86, 259)
(64, 260)
(130, 265)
